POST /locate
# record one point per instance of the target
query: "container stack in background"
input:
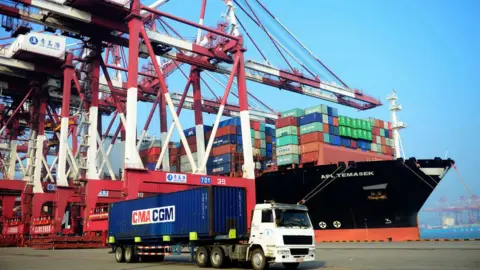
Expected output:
(191, 136)
(287, 131)
(150, 152)
(382, 136)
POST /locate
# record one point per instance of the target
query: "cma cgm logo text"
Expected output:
(349, 174)
(153, 215)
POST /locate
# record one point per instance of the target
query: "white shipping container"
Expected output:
(263, 144)
(256, 151)
(186, 167)
(385, 125)
(378, 139)
(184, 158)
(257, 134)
(290, 149)
(325, 118)
(39, 43)
(374, 147)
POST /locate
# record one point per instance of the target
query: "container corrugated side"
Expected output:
(183, 212)
(287, 150)
(286, 140)
(286, 131)
(287, 160)
(293, 112)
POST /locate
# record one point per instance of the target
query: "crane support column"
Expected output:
(132, 157)
(92, 172)
(197, 106)
(39, 157)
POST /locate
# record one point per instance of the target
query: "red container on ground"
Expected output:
(227, 130)
(309, 157)
(224, 149)
(286, 121)
(311, 137)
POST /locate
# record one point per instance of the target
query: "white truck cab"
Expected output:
(281, 233)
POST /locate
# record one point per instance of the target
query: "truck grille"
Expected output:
(297, 240)
(299, 251)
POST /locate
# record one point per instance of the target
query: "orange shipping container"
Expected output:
(325, 128)
(225, 131)
(311, 137)
(309, 157)
(384, 142)
(309, 147)
(335, 121)
(152, 158)
(257, 143)
(224, 149)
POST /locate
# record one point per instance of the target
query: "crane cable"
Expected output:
(459, 176)
(310, 195)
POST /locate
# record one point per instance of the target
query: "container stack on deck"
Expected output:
(287, 132)
(191, 136)
(382, 135)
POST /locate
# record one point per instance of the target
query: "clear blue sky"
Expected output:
(426, 50)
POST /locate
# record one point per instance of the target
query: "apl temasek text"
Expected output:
(348, 174)
(153, 215)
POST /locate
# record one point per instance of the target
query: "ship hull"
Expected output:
(366, 201)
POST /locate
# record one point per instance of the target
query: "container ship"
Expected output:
(345, 170)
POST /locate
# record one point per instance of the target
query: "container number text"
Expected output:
(221, 181)
(205, 180)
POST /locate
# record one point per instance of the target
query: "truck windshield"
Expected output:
(291, 218)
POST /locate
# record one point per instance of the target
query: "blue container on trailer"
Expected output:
(310, 118)
(189, 132)
(208, 211)
(225, 139)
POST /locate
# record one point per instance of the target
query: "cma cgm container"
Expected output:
(206, 212)
(212, 223)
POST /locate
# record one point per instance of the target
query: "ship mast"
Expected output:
(396, 126)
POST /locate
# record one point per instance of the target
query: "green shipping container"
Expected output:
(355, 133)
(348, 121)
(262, 135)
(342, 130)
(369, 125)
(286, 131)
(355, 123)
(324, 109)
(287, 160)
(252, 133)
(286, 140)
(382, 132)
(342, 121)
(262, 127)
(326, 137)
(370, 136)
(349, 132)
(313, 109)
(293, 112)
(312, 127)
(263, 152)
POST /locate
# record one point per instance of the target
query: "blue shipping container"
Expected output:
(151, 166)
(387, 133)
(193, 130)
(310, 118)
(220, 169)
(234, 121)
(330, 120)
(269, 131)
(208, 211)
(239, 148)
(269, 147)
(225, 139)
(330, 111)
(334, 112)
(218, 160)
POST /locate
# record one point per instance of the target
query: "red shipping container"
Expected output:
(268, 139)
(381, 124)
(152, 158)
(227, 130)
(257, 143)
(335, 121)
(286, 121)
(256, 126)
(384, 149)
(309, 157)
(192, 140)
(193, 148)
(175, 151)
(173, 158)
(311, 137)
(353, 143)
(309, 147)
(325, 128)
(389, 126)
(384, 141)
(376, 131)
(224, 149)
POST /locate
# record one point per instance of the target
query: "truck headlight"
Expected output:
(283, 252)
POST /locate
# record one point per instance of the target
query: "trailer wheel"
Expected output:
(119, 254)
(202, 257)
(291, 266)
(217, 257)
(259, 261)
(130, 256)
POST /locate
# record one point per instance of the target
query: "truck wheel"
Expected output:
(119, 254)
(259, 261)
(130, 256)
(202, 257)
(217, 257)
(291, 266)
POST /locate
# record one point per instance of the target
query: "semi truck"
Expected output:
(210, 223)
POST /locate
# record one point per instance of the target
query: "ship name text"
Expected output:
(348, 174)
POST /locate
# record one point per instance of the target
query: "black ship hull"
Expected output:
(360, 195)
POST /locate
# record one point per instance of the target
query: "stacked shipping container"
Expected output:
(287, 133)
(382, 137)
